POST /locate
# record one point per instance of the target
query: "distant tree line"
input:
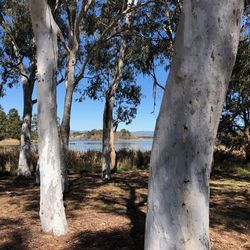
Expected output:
(96, 134)
(10, 126)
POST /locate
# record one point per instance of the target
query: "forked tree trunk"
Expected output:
(25, 162)
(178, 202)
(52, 212)
(71, 81)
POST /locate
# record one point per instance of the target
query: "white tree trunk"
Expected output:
(178, 202)
(25, 163)
(65, 125)
(52, 212)
(106, 138)
(112, 147)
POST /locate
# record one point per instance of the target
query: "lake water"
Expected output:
(96, 145)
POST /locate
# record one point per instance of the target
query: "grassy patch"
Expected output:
(238, 169)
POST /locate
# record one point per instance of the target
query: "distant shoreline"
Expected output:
(15, 142)
(117, 139)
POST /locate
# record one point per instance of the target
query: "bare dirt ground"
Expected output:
(110, 216)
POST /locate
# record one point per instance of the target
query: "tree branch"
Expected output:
(22, 68)
(155, 79)
(104, 33)
(85, 6)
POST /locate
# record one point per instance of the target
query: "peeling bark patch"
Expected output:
(204, 241)
(212, 56)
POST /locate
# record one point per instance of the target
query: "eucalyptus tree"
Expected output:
(45, 29)
(120, 105)
(18, 62)
(74, 12)
(138, 43)
(114, 75)
(81, 40)
(205, 50)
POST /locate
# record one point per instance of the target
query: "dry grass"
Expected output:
(111, 215)
(9, 142)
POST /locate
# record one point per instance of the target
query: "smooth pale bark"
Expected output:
(108, 147)
(106, 138)
(178, 201)
(70, 81)
(52, 212)
(65, 125)
(112, 145)
(25, 166)
(72, 49)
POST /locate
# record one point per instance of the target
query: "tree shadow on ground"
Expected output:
(128, 203)
(15, 239)
(134, 203)
(234, 204)
(229, 209)
(137, 217)
(108, 240)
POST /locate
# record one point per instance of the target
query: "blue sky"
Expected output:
(88, 114)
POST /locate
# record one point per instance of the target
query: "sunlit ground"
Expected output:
(109, 216)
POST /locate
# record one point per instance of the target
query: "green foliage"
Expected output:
(125, 133)
(228, 163)
(96, 134)
(10, 124)
(3, 124)
(149, 41)
(127, 99)
(16, 36)
(237, 169)
(234, 128)
(13, 124)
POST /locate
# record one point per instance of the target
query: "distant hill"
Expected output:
(78, 131)
(143, 133)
